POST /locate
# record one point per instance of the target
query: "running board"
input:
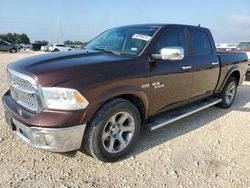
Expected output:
(179, 114)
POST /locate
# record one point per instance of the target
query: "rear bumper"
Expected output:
(51, 139)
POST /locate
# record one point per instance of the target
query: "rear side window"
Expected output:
(200, 42)
(170, 38)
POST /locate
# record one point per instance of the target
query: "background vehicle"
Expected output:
(6, 46)
(58, 48)
(126, 78)
(244, 47)
(36, 47)
(221, 47)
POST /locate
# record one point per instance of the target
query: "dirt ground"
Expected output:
(208, 149)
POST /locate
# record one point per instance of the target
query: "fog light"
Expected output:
(49, 140)
(37, 138)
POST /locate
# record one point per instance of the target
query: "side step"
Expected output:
(182, 113)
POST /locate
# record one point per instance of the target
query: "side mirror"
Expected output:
(172, 53)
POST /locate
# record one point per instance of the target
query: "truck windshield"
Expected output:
(124, 40)
(244, 46)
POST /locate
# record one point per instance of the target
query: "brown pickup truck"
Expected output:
(125, 79)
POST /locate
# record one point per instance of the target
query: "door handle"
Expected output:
(215, 63)
(186, 67)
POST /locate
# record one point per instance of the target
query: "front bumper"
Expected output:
(50, 139)
(49, 130)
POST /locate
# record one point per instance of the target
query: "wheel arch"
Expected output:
(235, 72)
(137, 98)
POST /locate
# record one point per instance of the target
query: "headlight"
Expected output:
(56, 98)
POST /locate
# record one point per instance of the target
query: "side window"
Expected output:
(170, 38)
(200, 42)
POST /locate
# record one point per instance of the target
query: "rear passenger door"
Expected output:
(205, 62)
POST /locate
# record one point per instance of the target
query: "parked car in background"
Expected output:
(6, 46)
(59, 48)
(244, 47)
(221, 47)
(26, 46)
(36, 47)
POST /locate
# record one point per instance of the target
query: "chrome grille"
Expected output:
(21, 83)
(24, 91)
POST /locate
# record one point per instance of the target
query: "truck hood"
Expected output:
(53, 68)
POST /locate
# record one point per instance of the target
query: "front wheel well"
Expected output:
(236, 75)
(135, 100)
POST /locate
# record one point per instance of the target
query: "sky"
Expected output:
(229, 20)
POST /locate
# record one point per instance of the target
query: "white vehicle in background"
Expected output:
(58, 48)
(222, 47)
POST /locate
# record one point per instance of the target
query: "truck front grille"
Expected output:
(24, 91)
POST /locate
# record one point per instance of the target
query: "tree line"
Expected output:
(24, 39)
(15, 38)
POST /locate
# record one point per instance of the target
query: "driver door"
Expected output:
(171, 80)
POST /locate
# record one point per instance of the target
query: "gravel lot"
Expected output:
(208, 149)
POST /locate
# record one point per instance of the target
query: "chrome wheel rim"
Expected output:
(230, 92)
(118, 132)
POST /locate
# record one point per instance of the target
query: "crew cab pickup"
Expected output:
(127, 78)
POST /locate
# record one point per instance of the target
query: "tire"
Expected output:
(228, 93)
(108, 140)
(56, 50)
(13, 50)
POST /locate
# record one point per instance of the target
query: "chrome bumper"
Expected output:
(51, 139)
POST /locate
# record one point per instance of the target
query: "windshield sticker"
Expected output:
(134, 49)
(141, 37)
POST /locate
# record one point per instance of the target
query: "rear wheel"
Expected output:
(228, 93)
(113, 131)
(56, 50)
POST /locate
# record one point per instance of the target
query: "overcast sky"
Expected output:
(229, 20)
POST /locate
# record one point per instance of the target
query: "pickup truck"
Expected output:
(98, 100)
(245, 47)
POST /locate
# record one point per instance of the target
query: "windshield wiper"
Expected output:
(106, 51)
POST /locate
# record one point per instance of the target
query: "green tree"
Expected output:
(68, 42)
(23, 38)
(15, 38)
(78, 43)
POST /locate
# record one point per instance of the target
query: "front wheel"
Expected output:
(113, 131)
(13, 50)
(228, 93)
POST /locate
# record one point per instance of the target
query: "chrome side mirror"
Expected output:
(172, 53)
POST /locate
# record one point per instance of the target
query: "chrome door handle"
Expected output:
(215, 63)
(186, 67)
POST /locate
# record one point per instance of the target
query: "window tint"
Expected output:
(200, 42)
(170, 38)
(58, 45)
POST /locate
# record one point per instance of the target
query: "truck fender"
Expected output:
(229, 73)
(112, 93)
